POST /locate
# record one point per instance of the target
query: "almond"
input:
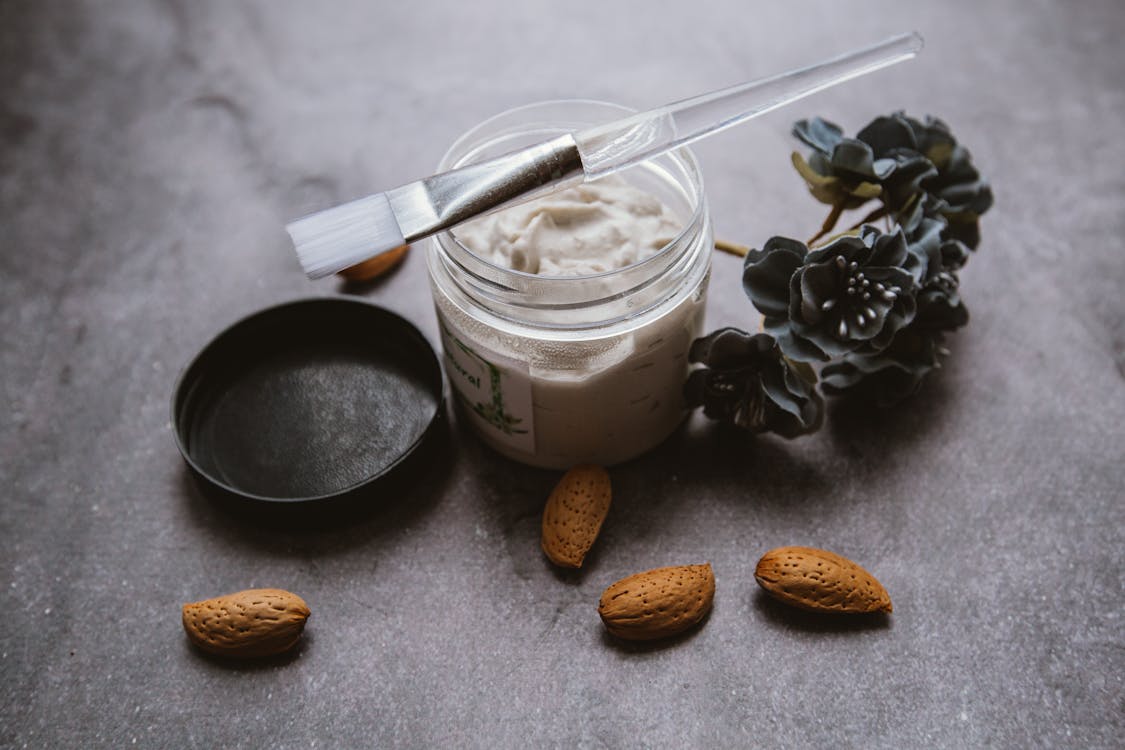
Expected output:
(820, 581)
(658, 603)
(255, 622)
(373, 268)
(574, 514)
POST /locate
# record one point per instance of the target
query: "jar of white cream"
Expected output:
(566, 322)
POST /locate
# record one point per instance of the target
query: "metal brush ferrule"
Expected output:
(445, 200)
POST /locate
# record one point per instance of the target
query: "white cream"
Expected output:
(595, 227)
(557, 398)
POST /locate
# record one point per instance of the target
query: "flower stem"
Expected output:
(730, 247)
(876, 214)
(829, 222)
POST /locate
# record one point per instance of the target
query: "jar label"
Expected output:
(496, 395)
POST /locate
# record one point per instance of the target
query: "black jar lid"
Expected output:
(309, 408)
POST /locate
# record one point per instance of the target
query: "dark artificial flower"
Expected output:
(961, 194)
(851, 295)
(748, 382)
(939, 301)
(890, 376)
(841, 172)
(897, 159)
(934, 263)
(879, 305)
(894, 373)
(892, 138)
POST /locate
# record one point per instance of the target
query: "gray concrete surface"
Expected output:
(149, 155)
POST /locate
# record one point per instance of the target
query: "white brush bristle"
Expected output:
(340, 237)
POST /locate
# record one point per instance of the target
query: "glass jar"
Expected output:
(560, 371)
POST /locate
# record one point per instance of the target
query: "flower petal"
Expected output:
(890, 249)
(766, 274)
(887, 132)
(723, 348)
(818, 133)
(795, 347)
(854, 156)
(820, 282)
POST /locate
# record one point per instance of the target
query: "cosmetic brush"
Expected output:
(340, 237)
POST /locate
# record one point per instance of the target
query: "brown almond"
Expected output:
(255, 622)
(820, 581)
(574, 514)
(373, 268)
(658, 603)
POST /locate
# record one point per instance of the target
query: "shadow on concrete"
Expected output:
(860, 429)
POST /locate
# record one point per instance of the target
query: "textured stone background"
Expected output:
(149, 155)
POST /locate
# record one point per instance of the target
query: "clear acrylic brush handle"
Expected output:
(622, 143)
(335, 239)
